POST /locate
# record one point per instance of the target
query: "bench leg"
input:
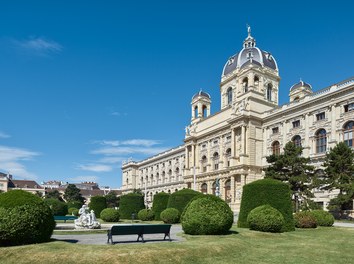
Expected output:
(142, 238)
(167, 235)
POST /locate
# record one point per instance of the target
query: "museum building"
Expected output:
(224, 151)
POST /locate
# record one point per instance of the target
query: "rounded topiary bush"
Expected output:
(110, 215)
(305, 220)
(267, 191)
(180, 199)
(97, 204)
(323, 218)
(57, 207)
(207, 215)
(170, 216)
(24, 219)
(18, 197)
(266, 219)
(130, 204)
(146, 215)
(74, 204)
(160, 203)
(73, 211)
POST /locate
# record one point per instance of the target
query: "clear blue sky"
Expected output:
(85, 84)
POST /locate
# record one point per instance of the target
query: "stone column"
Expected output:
(306, 141)
(334, 136)
(233, 192)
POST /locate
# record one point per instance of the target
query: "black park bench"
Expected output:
(64, 217)
(139, 230)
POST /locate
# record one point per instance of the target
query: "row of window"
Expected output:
(321, 139)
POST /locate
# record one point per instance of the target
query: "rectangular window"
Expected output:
(275, 130)
(296, 123)
(321, 116)
(349, 107)
(216, 166)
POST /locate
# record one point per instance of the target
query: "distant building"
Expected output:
(7, 183)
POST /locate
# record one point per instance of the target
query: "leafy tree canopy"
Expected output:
(292, 168)
(112, 199)
(339, 174)
(72, 193)
(54, 194)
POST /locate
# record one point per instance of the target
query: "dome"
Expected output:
(250, 54)
(301, 84)
(201, 94)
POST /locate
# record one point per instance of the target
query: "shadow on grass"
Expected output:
(72, 241)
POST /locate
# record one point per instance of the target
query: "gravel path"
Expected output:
(101, 239)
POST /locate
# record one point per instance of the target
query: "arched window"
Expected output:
(205, 113)
(177, 174)
(228, 156)
(169, 176)
(245, 85)
(321, 141)
(297, 140)
(204, 163)
(216, 161)
(229, 95)
(157, 178)
(228, 190)
(204, 188)
(196, 111)
(213, 188)
(276, 148)
(164, 179)
(348, 133)
(269, 92)
(256, 81)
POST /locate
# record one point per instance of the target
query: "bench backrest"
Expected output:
(65, 217)
(155, 229)
(126, 229)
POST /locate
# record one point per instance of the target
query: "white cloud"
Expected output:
(84, 179)
(111, 160)
(11, 161)
(130, 142)
(95, 167)
(4, 135)
(118, 114)
(112, 151)
(39, 45)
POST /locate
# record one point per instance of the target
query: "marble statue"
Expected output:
(87, 219)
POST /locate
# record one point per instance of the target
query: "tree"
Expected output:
(54, 194)
(72, 193)
(339, 174)
(112, 199)
(292, 168)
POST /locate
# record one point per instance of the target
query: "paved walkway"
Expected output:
(101, 239)
(341, 224)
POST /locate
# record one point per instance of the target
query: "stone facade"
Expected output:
(230, 146)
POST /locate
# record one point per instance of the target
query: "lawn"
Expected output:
(321, 245)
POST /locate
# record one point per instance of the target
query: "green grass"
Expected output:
(321, 245)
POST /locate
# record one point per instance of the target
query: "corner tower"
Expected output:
(250, 72)
(201, 102)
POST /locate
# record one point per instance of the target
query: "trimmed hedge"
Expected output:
(74, 204)
(267, 191)
(207, 215)
(265, 218)
(18, 197)
(57, 207)
(305, 219)
(130, 204)
(97, 204)
(73, 211)
(146, 215)
(323, 218)
(170, 216)
(110, 215)
(180, 199)
(24, 219)
(160, 203)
